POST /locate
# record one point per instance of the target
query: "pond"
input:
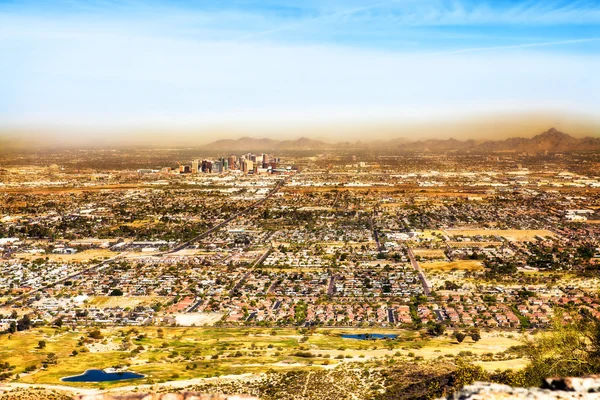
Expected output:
(98, 375)
(370, 336)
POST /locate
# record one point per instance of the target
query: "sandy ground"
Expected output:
(103, 348)
(123, 301)
(81, 256)
(198, 319)
(429, 253)
(124, 389)
(510, 234)
(462, 265)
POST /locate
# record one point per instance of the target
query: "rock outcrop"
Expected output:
(166, 396)
(554, 388)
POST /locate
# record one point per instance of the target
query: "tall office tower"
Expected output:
(265, 158)
(195, 166)
(232, 160)
(225, 164)
(217, 167)
(247, 166)
(253, 158)
(206, 166)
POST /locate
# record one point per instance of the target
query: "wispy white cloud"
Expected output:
(326, 16)
(514, 46)
(164, 64)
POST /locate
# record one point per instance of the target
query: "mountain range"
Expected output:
(551, 140)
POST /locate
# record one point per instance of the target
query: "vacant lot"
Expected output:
(429, 253)
(461, 265)
(125, 301)
(510, 234)
(82, 256)
(198, 318)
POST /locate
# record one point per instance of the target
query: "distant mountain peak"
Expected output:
(551, 140)
(553, 132)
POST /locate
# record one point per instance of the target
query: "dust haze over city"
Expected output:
(268, 199)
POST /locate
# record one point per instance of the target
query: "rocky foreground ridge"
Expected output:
(167, 396)
(554, 388)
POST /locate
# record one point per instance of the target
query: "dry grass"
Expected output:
(124, 301)
(510, 234)
(82, 256)
(429, 253)
(461, 265)
(492, 366)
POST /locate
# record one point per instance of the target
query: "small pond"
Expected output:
(369, 336)
(98, 375)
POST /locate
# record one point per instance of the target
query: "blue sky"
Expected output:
(110, 63)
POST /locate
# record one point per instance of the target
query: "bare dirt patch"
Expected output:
(510, 234)
(461, 265)
(123, 301)
(429, 253)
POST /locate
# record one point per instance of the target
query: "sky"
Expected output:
(279, 64)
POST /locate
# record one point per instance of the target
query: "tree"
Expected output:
(116, 292)
(24, 323)
(459, 336)
(476, 336)
(51, 359)
(42, 344)
(571, 349)
(95, 334)
(436, 329)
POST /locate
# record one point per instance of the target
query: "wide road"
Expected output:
(257, 262)
(228, 220)
(97, 267)
(182, 246)
(415, 264)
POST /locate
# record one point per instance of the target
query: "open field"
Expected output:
(461, 265)
(81, 256)
(198, 318)
(429, 233)
(124, 301)
(166, 354)
(429, 253)
(458, 245)
(510, 234)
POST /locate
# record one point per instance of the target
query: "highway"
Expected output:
(228, 220)
(258, 261)
(182, 246)
(97, 267)
(415, 264)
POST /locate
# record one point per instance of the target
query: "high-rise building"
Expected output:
(217, 167)
(231, 160)
(195, 166)
(247, 166)
(206, 166)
